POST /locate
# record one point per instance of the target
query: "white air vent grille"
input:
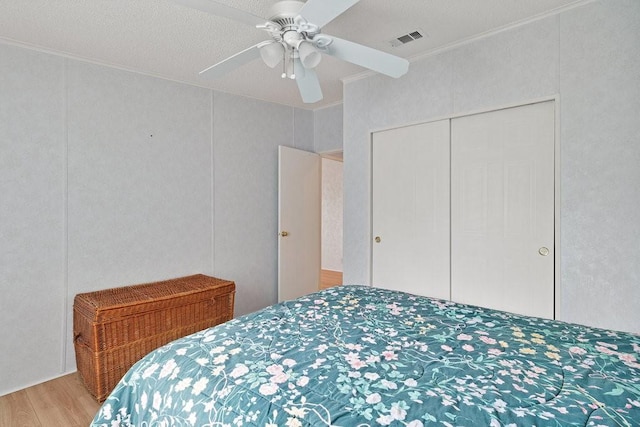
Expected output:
(284, 22)
(407, 38)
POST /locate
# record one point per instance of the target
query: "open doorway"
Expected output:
(332, 214)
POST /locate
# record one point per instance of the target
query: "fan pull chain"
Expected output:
(284, 64)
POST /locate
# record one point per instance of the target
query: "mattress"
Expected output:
(363, 356)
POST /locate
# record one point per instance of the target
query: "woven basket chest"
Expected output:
(114, 328)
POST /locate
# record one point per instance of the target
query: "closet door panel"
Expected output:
(411, 209)
(502, 209)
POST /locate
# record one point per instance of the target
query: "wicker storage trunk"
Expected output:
(114, 328)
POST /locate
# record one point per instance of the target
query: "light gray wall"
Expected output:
(303, 126)
(32, 216)
(327, 132)
(139, 180)
(599, 75)
(245, 193)
(588, 57)
(111, 178)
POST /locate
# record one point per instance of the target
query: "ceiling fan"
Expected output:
(297, 42)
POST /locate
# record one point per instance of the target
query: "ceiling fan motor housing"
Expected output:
(284, 12)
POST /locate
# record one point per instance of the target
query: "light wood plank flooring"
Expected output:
(329, 278)
(60, 402)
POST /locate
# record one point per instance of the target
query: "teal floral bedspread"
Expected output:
(362, 356)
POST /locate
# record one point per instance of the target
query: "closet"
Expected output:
(463, 209)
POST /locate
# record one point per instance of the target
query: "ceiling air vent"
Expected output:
(407, 38)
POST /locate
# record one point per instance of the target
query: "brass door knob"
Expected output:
(283, 233)
(377, 239)
(543, 251)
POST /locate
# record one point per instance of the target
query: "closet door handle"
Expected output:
(377, 239)
(543, 251)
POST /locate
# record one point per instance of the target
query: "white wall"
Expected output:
(332, 215)
(109, 178)
(588, 57)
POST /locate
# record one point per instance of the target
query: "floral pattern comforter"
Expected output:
(362, 356)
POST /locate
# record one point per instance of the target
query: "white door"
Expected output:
(411, 209)
(299, 214)
(502, 209)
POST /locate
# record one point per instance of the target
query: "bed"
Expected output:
(363, 356)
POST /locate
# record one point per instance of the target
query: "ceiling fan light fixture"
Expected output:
(309, 54)
(272, 54)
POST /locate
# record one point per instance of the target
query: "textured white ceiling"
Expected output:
(165, 39)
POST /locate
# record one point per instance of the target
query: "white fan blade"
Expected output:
(373, 59)
(223, 10)
(308, 85)
(321, 12)
(232, 62)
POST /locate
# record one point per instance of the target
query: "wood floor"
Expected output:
(60, 402)
(329, 278)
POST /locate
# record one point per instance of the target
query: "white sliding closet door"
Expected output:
(411, 209)
(502, 209)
